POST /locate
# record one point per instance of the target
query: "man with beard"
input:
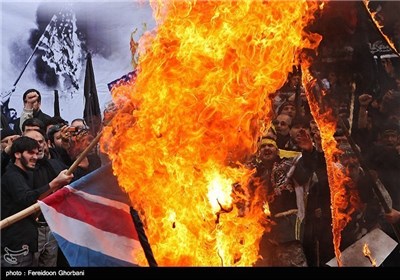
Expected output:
(45, 171)
(19, 240)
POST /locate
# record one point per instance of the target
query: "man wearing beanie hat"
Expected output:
(287, 108)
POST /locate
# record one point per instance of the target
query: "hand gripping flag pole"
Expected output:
(35, 207)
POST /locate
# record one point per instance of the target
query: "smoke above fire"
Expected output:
(59, 61)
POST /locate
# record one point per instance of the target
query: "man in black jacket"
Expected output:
(19, 240)
(32, 101)
(45, 171)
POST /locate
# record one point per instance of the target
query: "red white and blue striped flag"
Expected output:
(92, 222)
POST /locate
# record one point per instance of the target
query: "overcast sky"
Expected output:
(107, 26)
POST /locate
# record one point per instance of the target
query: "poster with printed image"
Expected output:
(44, 45)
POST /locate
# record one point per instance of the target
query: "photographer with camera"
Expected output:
(81, 139)
(68, 142)
(61, 139)
(59, 146)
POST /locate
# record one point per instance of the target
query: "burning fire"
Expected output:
(367, 254)
(267, 212)
(379, 26)
(194, 114)
(344, 200)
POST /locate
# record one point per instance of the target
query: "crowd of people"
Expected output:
(290, 164)
(36, 153)
(359, 86)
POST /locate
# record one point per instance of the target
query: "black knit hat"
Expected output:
(5, 132)
(284, 104)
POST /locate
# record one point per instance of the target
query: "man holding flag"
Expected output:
(91, 219)
(19, 240)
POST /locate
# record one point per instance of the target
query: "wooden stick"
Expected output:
(19, 216)
(35, 207)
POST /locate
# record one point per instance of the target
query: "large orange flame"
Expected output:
(344, 197)
(194, 112)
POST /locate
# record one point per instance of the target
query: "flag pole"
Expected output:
(35, 49)
(35, 207)
(56, 104)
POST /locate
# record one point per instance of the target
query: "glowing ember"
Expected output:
(193, 114)
(367, 254)
(343, 201)
(267, 212)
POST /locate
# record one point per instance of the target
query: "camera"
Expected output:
(56, 127)
(79, 131)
